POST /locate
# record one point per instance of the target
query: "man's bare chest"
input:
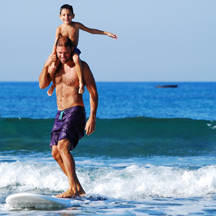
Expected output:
(68, 78)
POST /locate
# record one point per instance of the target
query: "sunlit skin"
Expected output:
(66, 16)
(65, 78)
(71, 29)
(64, 54)
(67, 84)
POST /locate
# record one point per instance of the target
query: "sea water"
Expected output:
(153, 151)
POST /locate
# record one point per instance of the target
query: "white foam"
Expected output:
(211, 126)
(131, 182)
(136, 182)
(24, 176)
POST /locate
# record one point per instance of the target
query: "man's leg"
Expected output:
(61, 153)
(56, 155)
(79, 187)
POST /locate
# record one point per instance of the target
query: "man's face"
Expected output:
(64, 53)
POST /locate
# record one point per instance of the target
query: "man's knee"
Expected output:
(55, 152)
(64, 145)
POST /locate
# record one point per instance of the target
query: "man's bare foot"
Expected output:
(51, 89)
(81, 89)
(81, 192)
(67, 194)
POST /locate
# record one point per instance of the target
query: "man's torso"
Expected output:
(67, 85)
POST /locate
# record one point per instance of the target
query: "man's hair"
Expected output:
(64, 41)
(66, 6)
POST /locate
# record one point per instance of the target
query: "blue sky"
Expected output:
(159, 40)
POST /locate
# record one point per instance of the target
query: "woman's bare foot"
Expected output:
(51, 89)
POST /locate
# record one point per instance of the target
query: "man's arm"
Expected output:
(96, 31)
(91, 87)
(44, 78)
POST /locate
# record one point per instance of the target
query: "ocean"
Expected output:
(152, 153)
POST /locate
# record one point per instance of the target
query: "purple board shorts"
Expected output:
(70, 124)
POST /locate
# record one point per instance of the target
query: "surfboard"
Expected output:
(29, 200)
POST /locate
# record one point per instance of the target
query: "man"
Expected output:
(69, 123)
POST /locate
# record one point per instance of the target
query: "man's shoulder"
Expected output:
(85, 67)
(84, 64)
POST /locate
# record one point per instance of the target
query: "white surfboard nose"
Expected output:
(29, 200)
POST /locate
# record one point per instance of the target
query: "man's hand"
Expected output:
(45, 78)
(90, 125)
(52, 58)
